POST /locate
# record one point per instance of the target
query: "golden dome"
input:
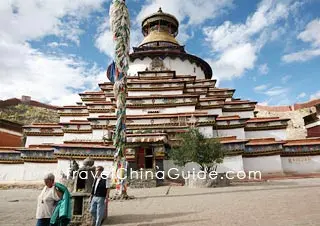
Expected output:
(159, 36)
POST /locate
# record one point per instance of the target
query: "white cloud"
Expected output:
(301, 56)
(315, 96)
(311, 34)
(230, 65)
(34, 19)
(301, 95)
(286, 78)
(258, 29)
(195, 11)
(276, 91)
(56, 44)
(263, 69)
(53, 78)
(261, 88)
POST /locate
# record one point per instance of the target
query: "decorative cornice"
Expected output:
(261, 153)
(101, 110)
(43, 134)
(40, 160)
(77, 131)
(73, 114)
(234, 152)
(299, 153)
(11, 161)
(83, 156)
(242, 125)
(277, 127)
(210, 106)
(238, 109)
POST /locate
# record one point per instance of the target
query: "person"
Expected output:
(61, 215)
(47, 201)
(99, 197)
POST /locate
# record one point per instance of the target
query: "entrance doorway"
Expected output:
(145, 158)
(149, 158)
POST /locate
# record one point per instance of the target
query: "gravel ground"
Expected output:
(276, 203)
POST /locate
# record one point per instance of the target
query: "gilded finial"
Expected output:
(160, 10)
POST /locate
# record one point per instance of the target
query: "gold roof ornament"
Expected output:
(159, 36)
(160, 27)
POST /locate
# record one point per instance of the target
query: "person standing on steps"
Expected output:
(99, 197)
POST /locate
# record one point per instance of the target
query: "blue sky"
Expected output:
(268, 50)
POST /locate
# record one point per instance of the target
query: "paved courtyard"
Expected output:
(277, 203)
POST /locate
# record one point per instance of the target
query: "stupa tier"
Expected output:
(169, 91)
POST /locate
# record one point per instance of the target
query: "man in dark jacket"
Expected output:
(99, 193)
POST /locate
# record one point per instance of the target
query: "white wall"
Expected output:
(155, 92)
(215, 111)
(97, 134)
(167, 110)
(43, 139)
(238, 132)
(301, 164)
(242, 114)
(77, 136)
(11, 172)
(96, 115)
(264, 164)
(279, 134)
(207, 131)
(181, 67)
(34, 171)
(232, 163)
(69, 118)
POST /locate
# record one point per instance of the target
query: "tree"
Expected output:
(194, 147)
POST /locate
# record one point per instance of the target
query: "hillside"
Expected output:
(27, 114)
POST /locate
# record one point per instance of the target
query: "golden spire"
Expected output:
(160, 28)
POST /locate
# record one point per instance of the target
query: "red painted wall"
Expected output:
(314, 131)
(10, 140)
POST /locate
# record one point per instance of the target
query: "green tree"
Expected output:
(194, 147)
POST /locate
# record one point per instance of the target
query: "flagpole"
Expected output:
(117, 72)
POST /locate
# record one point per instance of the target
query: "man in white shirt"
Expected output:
(99, 197)
(47, 199)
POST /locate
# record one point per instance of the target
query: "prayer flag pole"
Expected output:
(117, 73)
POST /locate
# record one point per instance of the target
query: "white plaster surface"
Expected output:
(238, 132)
(11, 172)
(167, 110)
(232, 163)
(43, 139)
(279, 134)
(77, 136)
(181, 67)
(69, 118)
(264, 164)
(207, 131)
(155, 92)
(242, 114)
(301, 164)
(214, 111)
(34, 171)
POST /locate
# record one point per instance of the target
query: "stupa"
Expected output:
(169, 90)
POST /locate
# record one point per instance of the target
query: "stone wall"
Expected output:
(296, 128)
